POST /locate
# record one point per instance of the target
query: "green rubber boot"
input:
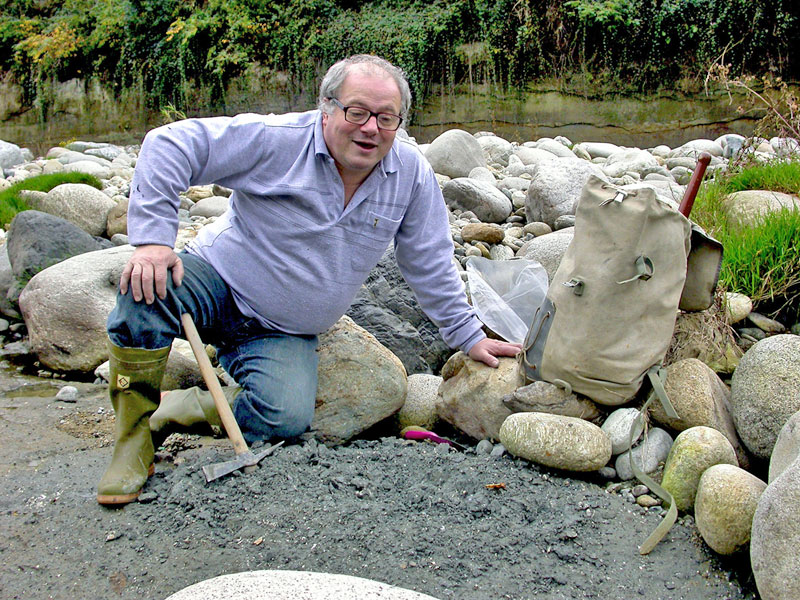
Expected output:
(190, 407)
(134, 390)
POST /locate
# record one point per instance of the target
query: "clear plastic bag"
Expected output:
(506, 293)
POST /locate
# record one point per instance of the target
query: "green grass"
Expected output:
(11, 203)
(762, 261)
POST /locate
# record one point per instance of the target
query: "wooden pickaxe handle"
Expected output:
(210, 377)
(694, 184)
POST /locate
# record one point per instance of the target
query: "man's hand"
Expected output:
(146, 272)
(487, 349)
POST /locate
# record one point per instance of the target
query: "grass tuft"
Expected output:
(12, 203)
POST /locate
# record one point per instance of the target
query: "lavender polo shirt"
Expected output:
(290, 251)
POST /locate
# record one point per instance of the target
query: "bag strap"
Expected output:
(656, 375)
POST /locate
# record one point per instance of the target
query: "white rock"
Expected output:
(787, 448)
(647, 455)
(618, 427)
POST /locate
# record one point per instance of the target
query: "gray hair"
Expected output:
(334, 78)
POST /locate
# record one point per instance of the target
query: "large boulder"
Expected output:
(555, 188)
(386, 307)
(765, 391)
(7, 282)
(787, 448)
(10, 155)
(81, 204)
(556, 441)
(455, 153)
(726, 501)
(629, 160)
(360, 383)
(65, 308)
(747, 207)
(548, 249)
(488, 203)
(775, 538)
(701, 399)
(38, 240)
(496, 149)
(470, 396)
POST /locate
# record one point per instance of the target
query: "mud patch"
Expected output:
(89, 425)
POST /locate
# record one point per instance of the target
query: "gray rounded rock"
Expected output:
(765, 391)
(618, 427)
(787, 448)
(455, 153)
(775, 538)
(647, 455)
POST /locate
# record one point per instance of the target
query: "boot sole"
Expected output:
(112, 499)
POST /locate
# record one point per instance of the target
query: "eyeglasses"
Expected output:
(359, 116)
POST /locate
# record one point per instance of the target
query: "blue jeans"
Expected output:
(276, 371)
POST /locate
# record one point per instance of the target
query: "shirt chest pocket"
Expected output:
(374, 235)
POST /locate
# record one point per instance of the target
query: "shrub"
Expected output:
(762, 261)
(12, 203)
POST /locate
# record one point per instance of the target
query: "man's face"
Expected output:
(358, 148)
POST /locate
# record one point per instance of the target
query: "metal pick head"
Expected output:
(245, 459)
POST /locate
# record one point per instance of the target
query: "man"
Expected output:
(318, 196)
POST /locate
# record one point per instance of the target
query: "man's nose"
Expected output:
(371, 126)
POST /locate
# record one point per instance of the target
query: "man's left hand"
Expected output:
(488, 349)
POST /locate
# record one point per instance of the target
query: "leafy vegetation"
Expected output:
(11, 202)
(762, 261)
(174, 50)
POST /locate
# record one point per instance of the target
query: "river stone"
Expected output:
(483, 232)
(213, 206)
(647, 455)
(483, 174)
(487, 202)
(556, 441)
(737, 307)
(554, 147)
(387, 308)
(775, 538)
(293, 585)
(544, 397)
(117, 220)
(746, 208)
(530, 155)
(361, 382)
(556, 187)
(618, 427)
(81, 204)
(787, 448)
(765, 391)
(37, 240)
(420, 406)
(496, 149)
(470, 396)
(548, 250)
(765, 324)
(726, 501)
(695, 147)
(65, 308)
(600, 149)
(629, 160)
(694, 451)
(88, 167)
(700, 398)
(10, 155)
(7, 281)
(455, 153)
(106, 151)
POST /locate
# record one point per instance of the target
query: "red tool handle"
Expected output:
(694, 184)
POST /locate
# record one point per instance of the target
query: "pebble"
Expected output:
(647, 501)
(765, 323)
(484, 447)
(67, 393)
(498, 451)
